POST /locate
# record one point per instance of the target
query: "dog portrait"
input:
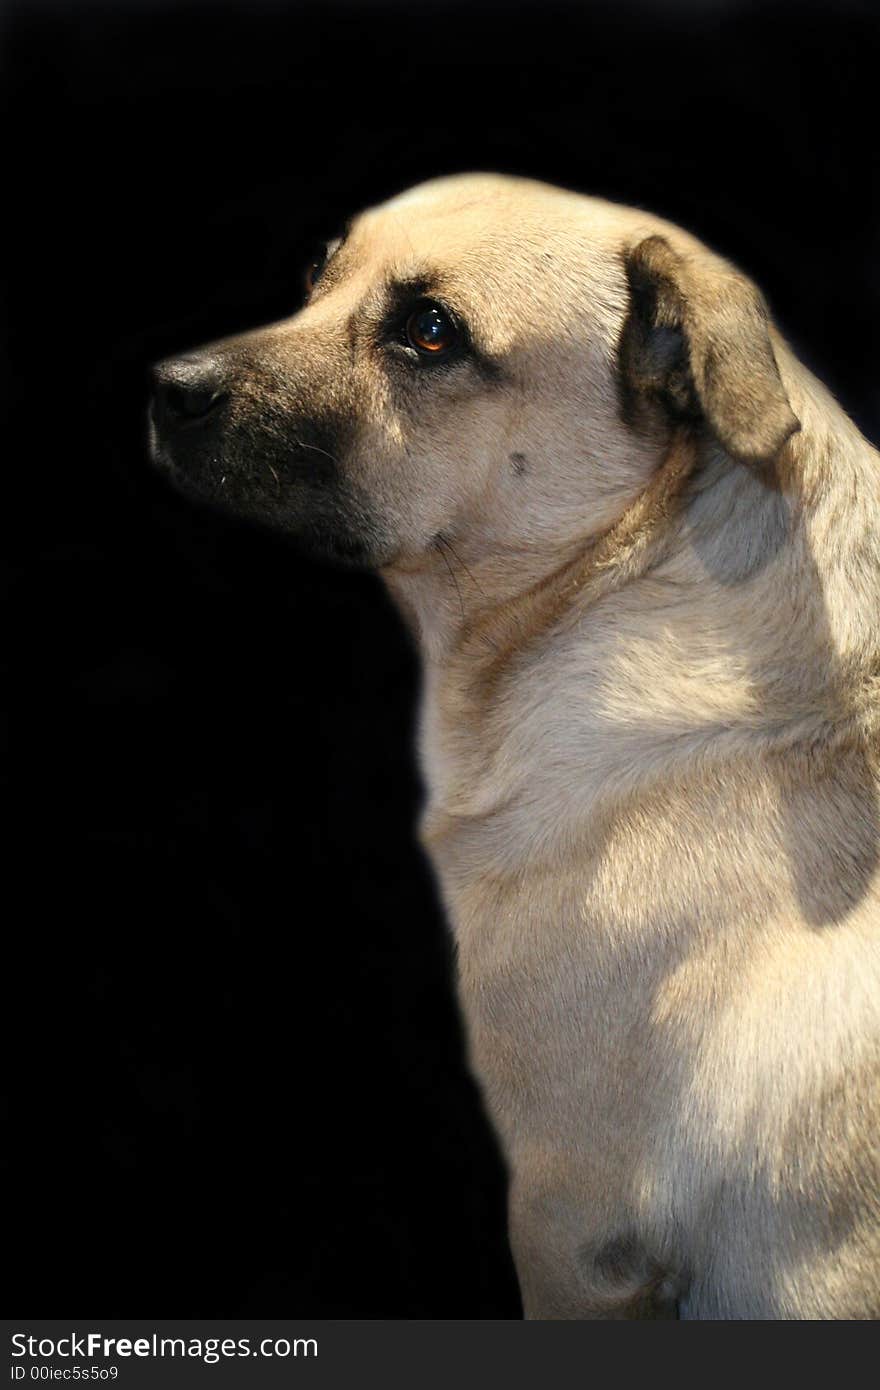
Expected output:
(636, 542)
(443, 677)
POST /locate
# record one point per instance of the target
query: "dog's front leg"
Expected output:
(567, 1272)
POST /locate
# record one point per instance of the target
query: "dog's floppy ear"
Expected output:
(696, 340)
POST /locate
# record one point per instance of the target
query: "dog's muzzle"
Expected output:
(188, 393)
(273, 463)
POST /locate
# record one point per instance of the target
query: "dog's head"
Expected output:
(482, 357)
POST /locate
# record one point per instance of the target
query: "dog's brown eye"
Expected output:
(317, 267)
(430, 330)
(313, 274)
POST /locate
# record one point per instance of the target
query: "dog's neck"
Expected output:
(702, 618)
(477, 609)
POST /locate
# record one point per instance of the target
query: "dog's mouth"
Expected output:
(291, 486)
(214, 449)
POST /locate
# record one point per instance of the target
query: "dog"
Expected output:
(637, 544)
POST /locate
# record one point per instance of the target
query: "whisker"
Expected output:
(477, 586)
(439, 543)
(303, 445)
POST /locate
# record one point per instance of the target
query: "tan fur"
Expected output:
(649, 732)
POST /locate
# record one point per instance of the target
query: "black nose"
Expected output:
(187, 390)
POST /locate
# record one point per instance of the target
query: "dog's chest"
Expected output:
(555, 997)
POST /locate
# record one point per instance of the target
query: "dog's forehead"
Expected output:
(490, 200)
(498, 224)
(518, 260)
(490, 241)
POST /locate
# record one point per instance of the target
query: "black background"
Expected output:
(240, 1086)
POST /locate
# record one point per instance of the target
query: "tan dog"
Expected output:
(638, 543)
